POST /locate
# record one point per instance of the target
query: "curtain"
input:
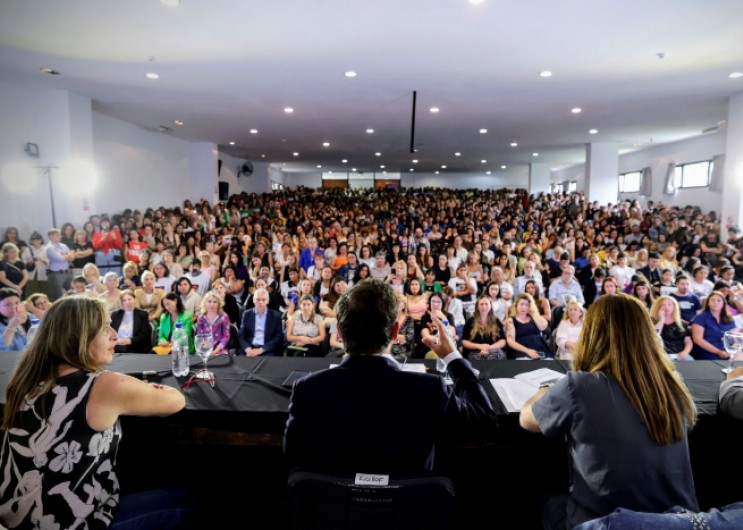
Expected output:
(670, 187)
(717, 177)
(646, 185)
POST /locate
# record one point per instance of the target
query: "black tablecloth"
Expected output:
(254, 384)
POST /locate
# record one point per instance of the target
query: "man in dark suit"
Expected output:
(368, 415)
(261, 332)
(651, 270)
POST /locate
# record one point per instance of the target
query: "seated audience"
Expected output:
(215, 321)
(260, 332)
(13, 273)
(111, 297)
(305, 331)
(229, 303)
(148, 298)
(13, 316)
(173, 313)
(524, 330)
(483, 337)
(405, 345)
(37, 305)
(568, 330)
(708, 327)
(132, 326)
(675, 335)
(689, 303)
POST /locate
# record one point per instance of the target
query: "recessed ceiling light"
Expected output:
(476, 2)
(178, 122)
(483, 131)
(344, 161)
(326, 144)
(545, 73)
(457, 154)
(353, 169)
(381, 167)
(483, 161)
(288, 110)
(350, 73)
(593, 131)
(488, 172)
(232, 143)
(171, 3)
(370, 131)
(535, 154)
(736, 75)
(437, 172)
(253, 131)
(514, 144)
(152, 75)
(263, 156)
(443, 166)
(411, 169)
(415, 161)
(330, 172)
(50, 71)
(503, 167)
(576, 110)
(434, 109)
(377, 154)
(295, 153)
(319, 166)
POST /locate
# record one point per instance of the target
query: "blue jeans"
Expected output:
(165, 509)
(107, 262)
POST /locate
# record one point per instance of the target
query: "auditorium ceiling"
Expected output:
(641, 72)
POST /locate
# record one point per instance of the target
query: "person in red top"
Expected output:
(108, 244)
(134, 247)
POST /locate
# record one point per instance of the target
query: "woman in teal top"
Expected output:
(173, 311)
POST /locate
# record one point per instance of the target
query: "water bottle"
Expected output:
(180, 350)
(32, 330)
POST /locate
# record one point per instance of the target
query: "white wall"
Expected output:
(258, 182)
(516, 177)
(308, 180)
(657, 158)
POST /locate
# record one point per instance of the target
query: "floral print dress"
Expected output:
(59, 473)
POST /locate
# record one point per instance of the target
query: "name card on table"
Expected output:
(365, 479)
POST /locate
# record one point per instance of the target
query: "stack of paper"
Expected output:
(514, 392)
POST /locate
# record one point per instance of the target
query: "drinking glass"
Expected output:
(204, 344)
(733, 342)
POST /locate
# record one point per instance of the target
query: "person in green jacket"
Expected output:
(173, 311)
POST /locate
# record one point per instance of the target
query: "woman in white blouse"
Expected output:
(569, 329)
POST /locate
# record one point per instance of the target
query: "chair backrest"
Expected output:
(325, 502)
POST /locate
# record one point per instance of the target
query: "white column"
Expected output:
(732, 190)
(539, 178)
(602, 172)
(203, 157)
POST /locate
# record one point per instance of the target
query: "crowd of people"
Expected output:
(455, 275)
(526, 257)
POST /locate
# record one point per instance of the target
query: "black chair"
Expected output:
(325, 502)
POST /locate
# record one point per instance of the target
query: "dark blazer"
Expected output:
(652, 276)
(369, 416)
(273, 336)
(141, 332)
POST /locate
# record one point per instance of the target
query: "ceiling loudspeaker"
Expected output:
(246, 169)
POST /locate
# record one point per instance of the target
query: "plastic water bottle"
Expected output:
(31, 334)
(180, 350)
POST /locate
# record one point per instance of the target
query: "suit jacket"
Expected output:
(273, 336)
(141, 332)
(369, 416)
(154, 308)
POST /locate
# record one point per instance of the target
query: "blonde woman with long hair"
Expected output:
(625, 412)
(676, 337)
(524, 330)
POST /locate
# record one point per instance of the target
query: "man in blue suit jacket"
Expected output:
(368, 415)
(261, 332)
